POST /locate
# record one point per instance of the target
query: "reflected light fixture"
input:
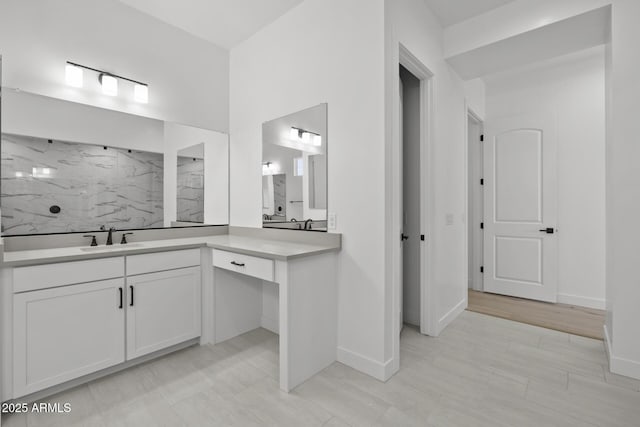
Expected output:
(305, 137)
(73, 75)
(266, 168)
(109, 84)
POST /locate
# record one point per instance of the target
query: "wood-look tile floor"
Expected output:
(481, 371)
(583, 321)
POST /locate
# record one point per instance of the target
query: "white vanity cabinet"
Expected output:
(68, 330)
(72, 319)
(304, 307)
(163, 307)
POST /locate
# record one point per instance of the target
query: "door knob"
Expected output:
(404, 237)
(548, 230)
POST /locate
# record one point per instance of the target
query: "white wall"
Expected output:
(216, 170)
(411, 23)
(623, 192)
(187, 77)
(341, 47)
(476, 97)
(572, 89)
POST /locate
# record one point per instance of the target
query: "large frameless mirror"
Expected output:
(294, 171)
(70, 167)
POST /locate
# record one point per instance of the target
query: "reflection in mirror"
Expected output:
(274, 197)
(294, 169)
(52, 186)
(70, 167)
(190, 190)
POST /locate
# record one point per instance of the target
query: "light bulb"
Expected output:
(306, 137)
(73, 75)
(109, 85)
(293, 134)
(317, 140)
(141, 93)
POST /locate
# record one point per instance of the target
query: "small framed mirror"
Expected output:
(294, 171)
(190, 185)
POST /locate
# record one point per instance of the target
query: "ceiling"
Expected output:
(550, 41)
(451, 12)
(222, 22)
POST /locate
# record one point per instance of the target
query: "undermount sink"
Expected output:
(111, 247)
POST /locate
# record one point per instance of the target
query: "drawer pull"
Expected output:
(121, 305)
(238, 264)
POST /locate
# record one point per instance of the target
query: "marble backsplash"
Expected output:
(92, 185)
(190, 191)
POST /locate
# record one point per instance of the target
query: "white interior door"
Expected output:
(520, 244)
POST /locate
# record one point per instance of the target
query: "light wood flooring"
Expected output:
(583, 321)
(481, 371)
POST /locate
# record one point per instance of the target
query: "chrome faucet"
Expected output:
(307, 224)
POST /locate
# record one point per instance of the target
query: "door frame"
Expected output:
(478, 244)
(428, 321)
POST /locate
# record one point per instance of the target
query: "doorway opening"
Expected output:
(411, 196)
(475, 202)
(411, 227)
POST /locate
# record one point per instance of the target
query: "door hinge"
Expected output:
(481, 269)
(481, 181)
(482, 138)
(482, 225)
(422, 237)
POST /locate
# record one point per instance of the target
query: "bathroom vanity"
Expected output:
(71, 314)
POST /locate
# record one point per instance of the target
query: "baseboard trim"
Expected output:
(269, 324)
(452, 315)
(378, 370)
(620, 365)
(596, 303)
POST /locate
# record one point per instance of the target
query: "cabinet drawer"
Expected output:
(66, 273)
(261, 268)
(161, 261)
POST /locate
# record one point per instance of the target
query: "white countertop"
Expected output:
(260, 247)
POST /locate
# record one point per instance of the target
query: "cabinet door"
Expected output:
(163, 309)
(67, 332)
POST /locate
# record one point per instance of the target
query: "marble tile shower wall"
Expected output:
(190, 189)
(93, 186)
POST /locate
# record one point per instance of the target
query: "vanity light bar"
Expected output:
(108, 81)
(305, 136)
